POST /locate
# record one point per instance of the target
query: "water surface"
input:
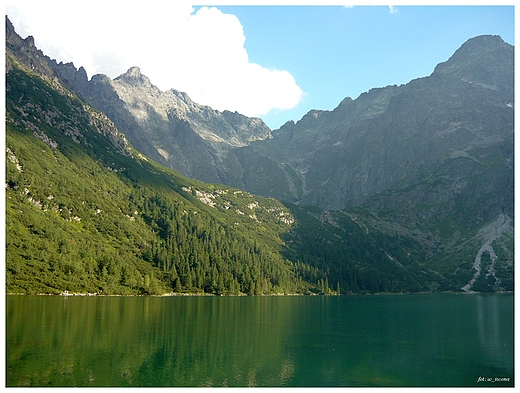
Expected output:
(405, 340)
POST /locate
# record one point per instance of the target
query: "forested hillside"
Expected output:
(87, 215)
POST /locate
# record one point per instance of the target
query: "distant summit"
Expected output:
(169, 127)
(134, 77)
(485, 60)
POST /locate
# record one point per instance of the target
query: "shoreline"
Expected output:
(245, 295)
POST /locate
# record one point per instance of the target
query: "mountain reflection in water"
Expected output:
(409, 340)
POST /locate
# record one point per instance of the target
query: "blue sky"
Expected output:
(335, 52)
(274, 62)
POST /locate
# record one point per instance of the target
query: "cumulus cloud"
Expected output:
(201, 53)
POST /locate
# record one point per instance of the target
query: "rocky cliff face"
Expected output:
(60, 77)
(394, 137)
(169, 127)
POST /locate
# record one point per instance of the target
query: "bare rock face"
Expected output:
(26, 52)
(485, 61)
(169, 127)
(144, 101)
(394, 138)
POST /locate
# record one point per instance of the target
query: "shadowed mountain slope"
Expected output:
(406, 188)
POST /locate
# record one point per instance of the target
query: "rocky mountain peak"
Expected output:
(477, 46)
(26, 52)
(482, 60)
(134, 77)
(182, 96)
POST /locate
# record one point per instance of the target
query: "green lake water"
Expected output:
(392, 340)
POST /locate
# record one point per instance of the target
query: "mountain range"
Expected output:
(405, 188)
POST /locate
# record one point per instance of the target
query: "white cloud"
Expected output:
(201, 53)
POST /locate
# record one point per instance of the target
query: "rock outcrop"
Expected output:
(61, 77)
(395, 137)
(169, 127)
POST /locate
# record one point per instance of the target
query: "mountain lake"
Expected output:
(270, 341)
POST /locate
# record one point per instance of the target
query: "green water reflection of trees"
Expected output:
(154, 342)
